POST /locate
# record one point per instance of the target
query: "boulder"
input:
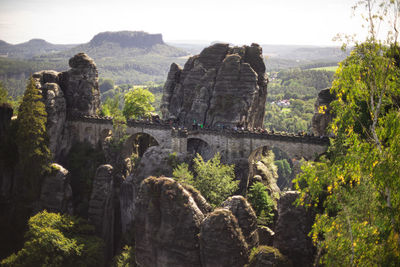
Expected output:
(265, 236)
(167, 224)
(320, 121)
(56, 192)
(266, 256)
(291, 230)
(246, 218)
(221, 241)
(222, 85)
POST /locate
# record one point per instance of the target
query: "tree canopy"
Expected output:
(214, 180)
(355, 189)
(138, 103)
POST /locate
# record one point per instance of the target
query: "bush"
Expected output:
(261, 202)
(214, 180)
(58, 240)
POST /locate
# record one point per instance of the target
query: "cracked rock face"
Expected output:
(221, 86)
(56, 192)
(246, 217)
(167, 224)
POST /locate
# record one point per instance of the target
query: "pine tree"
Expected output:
(32, 140)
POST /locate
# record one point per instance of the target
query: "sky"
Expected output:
(303, 22)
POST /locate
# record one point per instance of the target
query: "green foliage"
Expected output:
(273, 253)
(182, 174)
(3, 94)
(58, 240)
(356, 190)
(261, 202)
(126, 258)
(32, 140)
(138, 103)
(214, 180)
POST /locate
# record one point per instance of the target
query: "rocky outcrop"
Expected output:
(167, 224)
(221, 241)
(291, 230)
(73, 92)
(222, 86)
(322, 114)
(265, 236)
(266, 256)
(80, 86)
(56, 108)
(102, 207)
(127, 39)
(246, 218)
(56, 192)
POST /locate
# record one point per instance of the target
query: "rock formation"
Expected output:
(73, 92)
(102, 207)
(265, 236)
(80, 85)
(268, 256)
(221, 241)
(320, 121)
(221, 86)
(291, 230)
(246, 218)
(167, 224)
(56, 192)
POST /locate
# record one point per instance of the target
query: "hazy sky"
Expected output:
(236, 21)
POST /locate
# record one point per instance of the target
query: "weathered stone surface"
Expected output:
(221, 86)
(221, 241)
(102, 207)
(265, 236)
(80, 85)
(266, 256)
(167, 222)
(201, 202)
(291, 231)
(246, 217)
(56, 192)
(320, 121)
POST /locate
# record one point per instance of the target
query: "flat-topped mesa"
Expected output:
(223, 86)
(127, 39)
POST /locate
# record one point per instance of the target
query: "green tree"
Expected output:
(214, 180)
(32, 140)
(58, 240)
(356, 189)
(138, 103)
(261, 201)
(3, 94)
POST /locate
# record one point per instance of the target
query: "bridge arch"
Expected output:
(198, 145)
(138, 143)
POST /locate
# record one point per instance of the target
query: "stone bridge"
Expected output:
(231, 144)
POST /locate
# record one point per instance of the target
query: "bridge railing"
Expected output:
(183, 132)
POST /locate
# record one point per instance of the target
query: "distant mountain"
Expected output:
(125, 57)
(30, 49)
